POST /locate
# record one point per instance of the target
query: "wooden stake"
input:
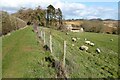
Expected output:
(51, 43)
(41, 34)
(44, 38)
(64, 54)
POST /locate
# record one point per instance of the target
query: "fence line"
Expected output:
(58, 51)
(47, 40)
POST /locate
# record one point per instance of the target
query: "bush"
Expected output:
(93, 26)
(10, 23)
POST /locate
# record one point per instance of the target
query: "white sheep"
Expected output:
(8, 34)
(98, 50)
(67, 33)
(87, 42)
(74, 39)
(83, 47)
(85, 39)
(91, 44)
(111, 39)
(73, 44)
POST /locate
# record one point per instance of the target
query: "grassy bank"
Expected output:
(23, 56)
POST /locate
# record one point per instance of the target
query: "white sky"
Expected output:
(70, 8)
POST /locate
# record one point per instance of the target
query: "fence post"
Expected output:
(64, 54)
(51, 43)
(41, 33)
(44, 37)
(38, 31)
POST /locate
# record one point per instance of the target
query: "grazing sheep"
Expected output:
(8, 34)
(85, 39)
(87, 42)
(92, 44)
(98, 50)
(74, 39)
(67, 33)
(83, 47)
(73, 45)
(111, 39)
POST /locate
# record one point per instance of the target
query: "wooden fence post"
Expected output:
(38, 31)
(51, 43)
(44, 38)
(64, 54)
(41, 33)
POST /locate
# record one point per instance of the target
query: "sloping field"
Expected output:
(23, 56)
(90, 64)
(78, 23)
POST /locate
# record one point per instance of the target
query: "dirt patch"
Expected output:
(27, 48)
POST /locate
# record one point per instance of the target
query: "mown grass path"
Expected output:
(23, 56)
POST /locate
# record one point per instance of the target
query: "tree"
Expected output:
(50, 15)
(59, 17)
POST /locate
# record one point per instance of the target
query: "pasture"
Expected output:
(23, 56)
(90, 64)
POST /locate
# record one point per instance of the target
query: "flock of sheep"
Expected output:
(84, 47)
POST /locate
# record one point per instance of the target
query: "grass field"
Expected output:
(82, 64)
(22, 56)
(0, 57)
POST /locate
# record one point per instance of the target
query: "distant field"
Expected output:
(78, 23)
(24, 57)
(88, 64)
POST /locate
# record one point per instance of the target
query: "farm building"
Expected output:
(74, 29)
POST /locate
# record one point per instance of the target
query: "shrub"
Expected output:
(93, 26)
(10, 23)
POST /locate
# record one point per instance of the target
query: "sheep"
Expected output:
(91, 44)
(111, 39)
(83, 47)
(73, 45)
(87, 42)
(8, 34)
(74, 39)
(85, 39)
(67, 33)
(98, 50)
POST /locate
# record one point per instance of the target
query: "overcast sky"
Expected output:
(86, 9)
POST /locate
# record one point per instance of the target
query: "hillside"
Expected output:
(10, 23)
(109, 27)
(82, 64)
(77, 23)
(31, 15)
(29, 56)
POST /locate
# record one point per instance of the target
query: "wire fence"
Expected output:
(64, 52)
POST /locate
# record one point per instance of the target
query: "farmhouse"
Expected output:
(74, 29)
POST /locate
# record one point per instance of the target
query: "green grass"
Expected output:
(23, 57)
(87, 64)
(0, 57)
